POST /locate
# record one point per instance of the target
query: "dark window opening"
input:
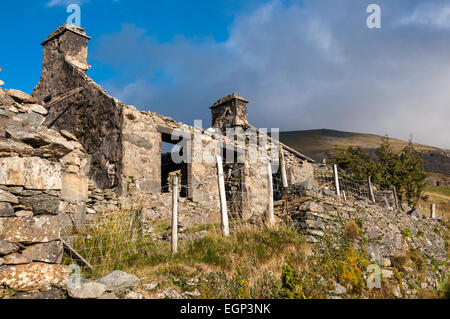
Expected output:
(169, 166)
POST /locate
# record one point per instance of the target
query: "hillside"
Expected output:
(316, 143)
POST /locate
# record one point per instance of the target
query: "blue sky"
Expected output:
(302, 64)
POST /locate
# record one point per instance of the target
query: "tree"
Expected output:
(411, 177)
(353, 160)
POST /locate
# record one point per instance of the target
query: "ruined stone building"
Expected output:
(124, 145)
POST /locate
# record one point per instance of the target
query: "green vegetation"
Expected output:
(253, 262)
(404, 169)
(131, 117)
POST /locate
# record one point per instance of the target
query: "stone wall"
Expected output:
(41, 180)
(404, 243)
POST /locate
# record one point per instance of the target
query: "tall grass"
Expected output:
(106, 243)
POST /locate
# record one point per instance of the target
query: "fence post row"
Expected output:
(174, 241)
(270, 185)
(223, 199)
(336, 180)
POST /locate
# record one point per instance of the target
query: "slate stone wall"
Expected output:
(42, 184)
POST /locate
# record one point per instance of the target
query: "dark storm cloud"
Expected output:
(304, 65)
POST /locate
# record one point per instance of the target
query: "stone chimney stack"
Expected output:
(230, 111)
(67, 44)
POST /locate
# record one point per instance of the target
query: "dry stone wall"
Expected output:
(42, 182)
(409, 248)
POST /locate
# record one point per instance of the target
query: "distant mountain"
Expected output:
(316, 143)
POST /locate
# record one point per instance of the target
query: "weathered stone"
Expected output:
(169, 293)
(339, 289)
(24, 213)
(6, 99)
(34, 276)
(307, 185)
(47, 252)
(30, 172)
(65, 222)
(37, 229)
(32, 119)
(150, 286)
(25, 134)
(2, 261)
(133, 295)
(7, 248)
(108, 295)
(16, 259)
(20, 96)
(74, 187)
(56, 145)
(315, 232)
(6, 210)
(8, 197)
(12, 190)
(397, 292)
(42, 204)
(15, 147)
(328, 192)
(195, 293)
(39, 109)
(312, 207)
(68, 135)
(51, 294)
(118, 280)
(86, 290)
(311, 224)
(28, 192)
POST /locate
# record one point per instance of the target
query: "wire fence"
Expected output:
(351, 188)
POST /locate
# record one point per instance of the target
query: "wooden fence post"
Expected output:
(372, 196)
(283, 168)
(270, 185)
(174, 239)
(433, 211)
(336, 180)
(223, 199)
(397, 208)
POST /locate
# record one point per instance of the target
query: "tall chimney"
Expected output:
(67, 44)
(229, 111)
(65, 49)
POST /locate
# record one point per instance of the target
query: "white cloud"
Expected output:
(314, 65)
(429, 14)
